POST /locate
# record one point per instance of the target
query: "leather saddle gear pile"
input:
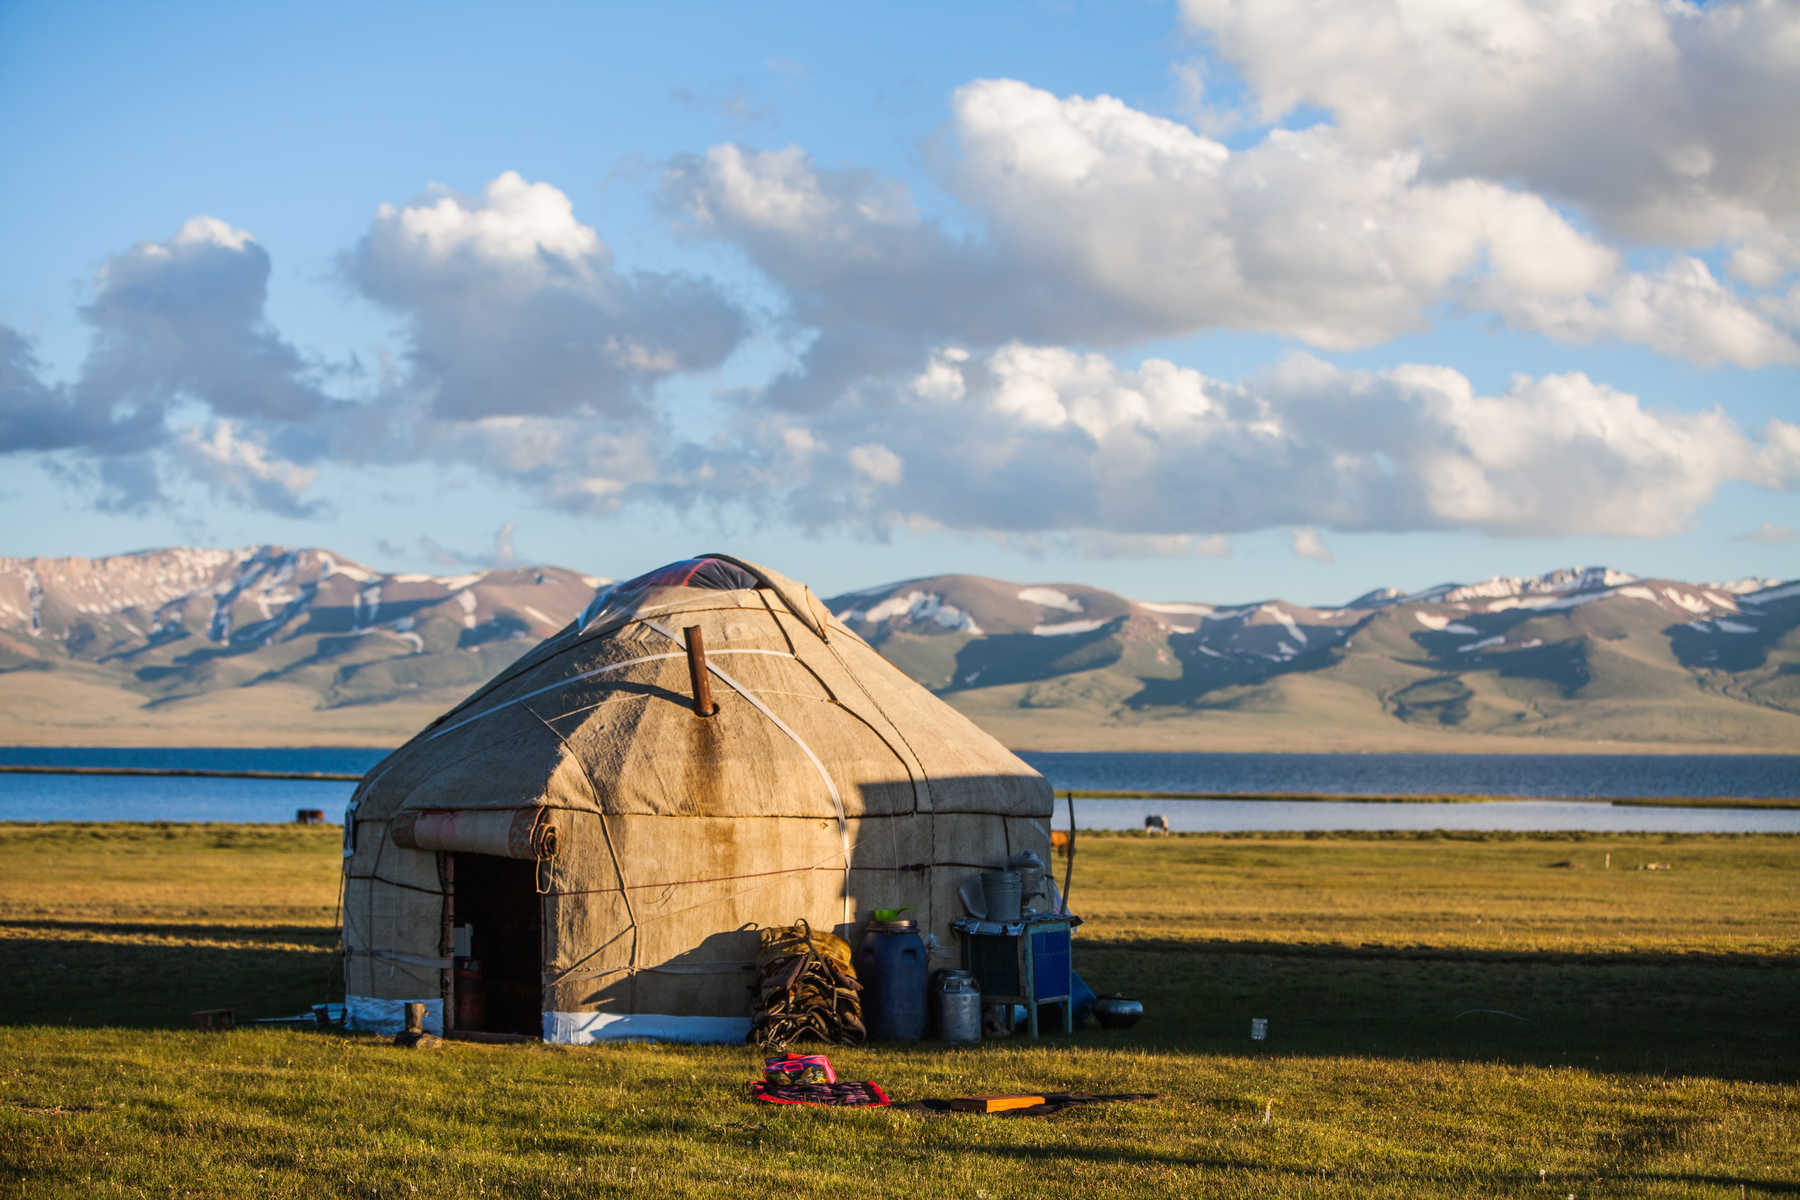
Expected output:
(806, 989)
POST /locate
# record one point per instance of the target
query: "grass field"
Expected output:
(1449, 1015)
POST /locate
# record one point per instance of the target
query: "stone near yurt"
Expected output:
(575, 853)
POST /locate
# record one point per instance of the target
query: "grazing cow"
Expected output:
(1154, 823)
(1059, 840)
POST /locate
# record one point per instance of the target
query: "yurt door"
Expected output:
(497, 923)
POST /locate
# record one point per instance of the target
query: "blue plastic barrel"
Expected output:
(891, 966)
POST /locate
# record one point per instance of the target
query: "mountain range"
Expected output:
(276, 646)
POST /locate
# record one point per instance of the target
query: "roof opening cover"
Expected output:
(709, 572)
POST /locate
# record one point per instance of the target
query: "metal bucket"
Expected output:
(1031, 875)
(1000, 891)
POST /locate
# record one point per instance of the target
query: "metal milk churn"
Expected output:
(957, 999)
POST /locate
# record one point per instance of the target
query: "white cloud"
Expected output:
(176, 324)
(240, 468)
(1099, 544)
(527, 355)
(1037, 440)
(1683, 312)
(1777, 462)
(1109, 225)
(517, 224)
(513, 306)
(877, 463)
(184, 321)
(1306, 543)
(1672, 121)
(204, 231)
(1305, 234)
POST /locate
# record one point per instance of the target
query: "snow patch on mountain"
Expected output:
(1750, 583)
(330, 566)
(1549, 603)
(1772, 594)
(1045, 597)
(1691, 603)
(1064, 628)
(1286, 621)
(916, 606)
(1567, 579)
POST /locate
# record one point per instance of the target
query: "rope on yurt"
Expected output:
(411, 960)
(608, 669)
(915, 779)
(837, 801)
(605, 832)
(911, 778)
(386, 882)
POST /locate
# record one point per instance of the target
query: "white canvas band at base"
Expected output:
(371, 1014)
(574, 1028)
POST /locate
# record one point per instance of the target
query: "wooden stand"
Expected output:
(1027, 962)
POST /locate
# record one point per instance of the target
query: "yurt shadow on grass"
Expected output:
(585, 848)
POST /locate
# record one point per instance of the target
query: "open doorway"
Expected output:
(497, 924)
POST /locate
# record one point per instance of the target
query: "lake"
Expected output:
(1566, 791)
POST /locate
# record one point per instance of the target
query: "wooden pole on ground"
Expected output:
(1068, 870)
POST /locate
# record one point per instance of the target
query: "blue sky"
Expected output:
(1219, 300)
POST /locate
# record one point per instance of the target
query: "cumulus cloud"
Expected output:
(1106, 225)
(183, 320)
(34, 414)
(237, 466)
(527, 352)
(1672, 121)
(173, 322)
(513, 306)
(940, 386)
(1031, 439)
(1306, 543)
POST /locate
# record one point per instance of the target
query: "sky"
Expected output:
(1218, 300)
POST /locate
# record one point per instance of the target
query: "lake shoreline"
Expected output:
(1192, 790)
(1779, 802)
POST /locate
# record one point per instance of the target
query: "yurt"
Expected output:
(586, 847)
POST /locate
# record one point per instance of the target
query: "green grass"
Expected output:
(143, 924)
(1449, 1015)
(1761, 802)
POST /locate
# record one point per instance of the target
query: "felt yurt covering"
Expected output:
(578, 799)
